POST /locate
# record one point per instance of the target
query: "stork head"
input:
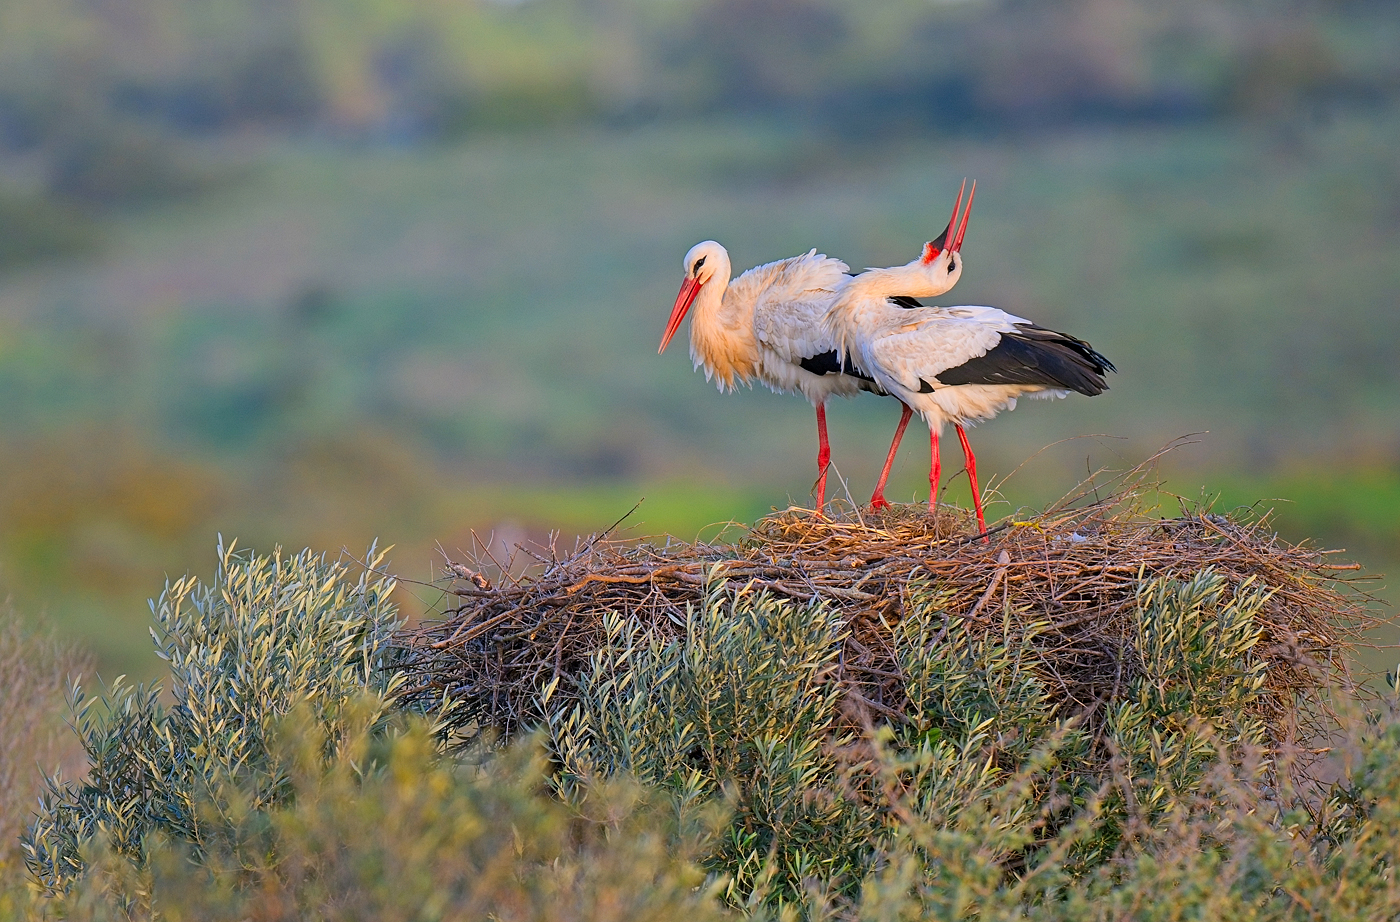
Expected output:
(942, 256)
(701, 263)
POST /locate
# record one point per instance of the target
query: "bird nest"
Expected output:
(1077, 566)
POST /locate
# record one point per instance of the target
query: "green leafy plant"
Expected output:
(745, 705)
(269, 634)
(388, 829)
(964, 682)
(1197, 691)
(708, 774)
(986, 773)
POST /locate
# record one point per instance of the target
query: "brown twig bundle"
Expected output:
(1077, 565)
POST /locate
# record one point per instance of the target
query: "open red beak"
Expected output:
(942, 241)
(936, 245)
(689, 290)
(962, 228)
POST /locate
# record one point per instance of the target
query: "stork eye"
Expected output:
(698, 263)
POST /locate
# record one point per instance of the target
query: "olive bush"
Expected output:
(707, 775)
(269, 634)
(744, 703)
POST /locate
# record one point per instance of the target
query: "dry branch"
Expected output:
(1077, 568)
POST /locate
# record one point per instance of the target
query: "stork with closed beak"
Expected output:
(764, 325)
(951, 364)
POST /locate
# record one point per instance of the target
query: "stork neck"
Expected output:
(709, 304)
(915, 280)
(714, 314)
(864, 299)
(721, 331)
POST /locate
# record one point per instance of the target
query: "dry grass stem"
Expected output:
(34, 672)
(1077, 566)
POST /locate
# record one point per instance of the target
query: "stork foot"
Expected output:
(879, 504)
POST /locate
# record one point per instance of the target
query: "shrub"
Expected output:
(712, 773)
(389, 829)
(385, 829)
(1177, 764)
(1197, 693)
(270, 634)
(984, 757)
(745, 700)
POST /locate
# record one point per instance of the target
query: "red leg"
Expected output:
(935, 468)
(972, 477)
(823, 455)
(877, 499)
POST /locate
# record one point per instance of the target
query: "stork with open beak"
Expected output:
(767, 324)
(951, 364)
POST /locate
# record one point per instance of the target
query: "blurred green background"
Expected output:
(311, 272)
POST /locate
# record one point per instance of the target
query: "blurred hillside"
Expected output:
(97, 88)
(311, 273)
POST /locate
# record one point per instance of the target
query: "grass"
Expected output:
(350, 344)
(1358, 507)
(35, 671)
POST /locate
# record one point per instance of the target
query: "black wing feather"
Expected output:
(1037, 356)
(827, 364)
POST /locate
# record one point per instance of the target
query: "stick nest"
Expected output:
(1077, 565)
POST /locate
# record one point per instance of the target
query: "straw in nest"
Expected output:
(1077, 565)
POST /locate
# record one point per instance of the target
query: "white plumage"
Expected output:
(770, 324)
(952, 364)
(763, 326)
(764, 323)
(906, 349)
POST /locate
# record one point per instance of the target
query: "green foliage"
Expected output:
(987, 775)
(744, 703)
(1356, 508)
(968, 838)
(389, 829)
(268, 635)
(964, 682)
(1213, 834)
(282, 783)
(1193, 644)
(386, 829)
(1197, 690)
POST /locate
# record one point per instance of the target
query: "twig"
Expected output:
(1003, 561)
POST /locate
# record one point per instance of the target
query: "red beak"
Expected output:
(689, 290)
(962, 228)
(936, 245)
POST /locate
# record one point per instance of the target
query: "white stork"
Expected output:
(951, 364)
(768, 324)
